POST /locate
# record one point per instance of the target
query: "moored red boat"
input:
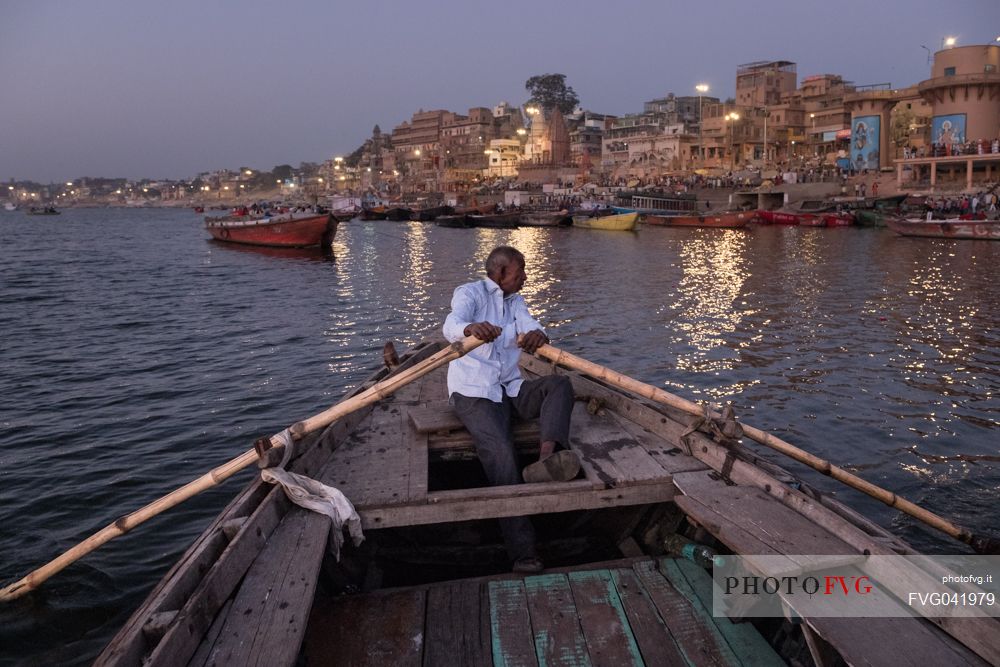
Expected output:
(293, 230)
(988, 230)
(731, 219)
(812, 221)
(841, 219)
(782, 217)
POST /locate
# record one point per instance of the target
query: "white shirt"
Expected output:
(491, 368)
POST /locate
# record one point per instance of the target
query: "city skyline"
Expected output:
(109, 89)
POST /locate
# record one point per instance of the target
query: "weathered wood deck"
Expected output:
(638, 612)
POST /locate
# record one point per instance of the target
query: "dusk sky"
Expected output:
(167, 90)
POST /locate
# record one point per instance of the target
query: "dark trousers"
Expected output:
(550, 399)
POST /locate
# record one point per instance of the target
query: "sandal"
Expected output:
(561, 466)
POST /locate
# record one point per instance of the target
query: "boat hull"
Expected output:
(622, 222)
(277, 232)
(781, 217)
(732, 220)
(547, 219)
(498, 220)
(947, 229)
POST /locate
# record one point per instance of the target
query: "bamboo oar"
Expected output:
(217, 475)
(982, 544)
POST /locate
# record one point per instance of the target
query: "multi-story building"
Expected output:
(586, 134)
(417, 149)
(664, 137)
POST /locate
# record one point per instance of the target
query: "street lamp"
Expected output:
(732, 117)
(948, 41)
(702, 88)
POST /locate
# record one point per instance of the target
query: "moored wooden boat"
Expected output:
(946, 229)
(373, 213)
(837, 219)
(500, 220)
(397, 213)
(292, 230)
(546, 218)
(620, 222)
(429, 213)
(429, 585)
(782, 217)
(731, 219)
(459, 220)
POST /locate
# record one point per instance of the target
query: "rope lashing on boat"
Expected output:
(725, 430)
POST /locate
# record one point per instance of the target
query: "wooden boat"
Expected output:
(459, 220)
(499, 220)
(561, 218)
(42, 210)
(731, 219)
(373, 213)
(837, 219)
(621, 222)
(953, 228)
(397, 213)
(429, 213)
(782, 217)
(345, 215)
(431, 584)
(292, 230)
(812, 221)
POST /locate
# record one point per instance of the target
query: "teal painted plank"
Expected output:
(699, 640)
(656, 643)
(558, 636)
(744, 639)
(510, 626)
(602, 617)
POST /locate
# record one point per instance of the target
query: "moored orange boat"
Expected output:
(292, 230)
(730, 219)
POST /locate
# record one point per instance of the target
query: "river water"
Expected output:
(137, 354)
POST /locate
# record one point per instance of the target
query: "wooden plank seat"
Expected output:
(631, 612)
(752, 522)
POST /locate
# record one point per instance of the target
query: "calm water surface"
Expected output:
(137, 354)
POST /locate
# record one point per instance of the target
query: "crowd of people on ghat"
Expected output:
(981, 202)
(973, 147)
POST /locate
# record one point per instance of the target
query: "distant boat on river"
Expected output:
(42, 210)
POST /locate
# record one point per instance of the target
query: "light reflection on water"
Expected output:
(878, 353)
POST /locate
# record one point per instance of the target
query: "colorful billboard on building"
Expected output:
(864, 142)
(948, 130)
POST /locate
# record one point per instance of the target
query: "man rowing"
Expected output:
(486, 390)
